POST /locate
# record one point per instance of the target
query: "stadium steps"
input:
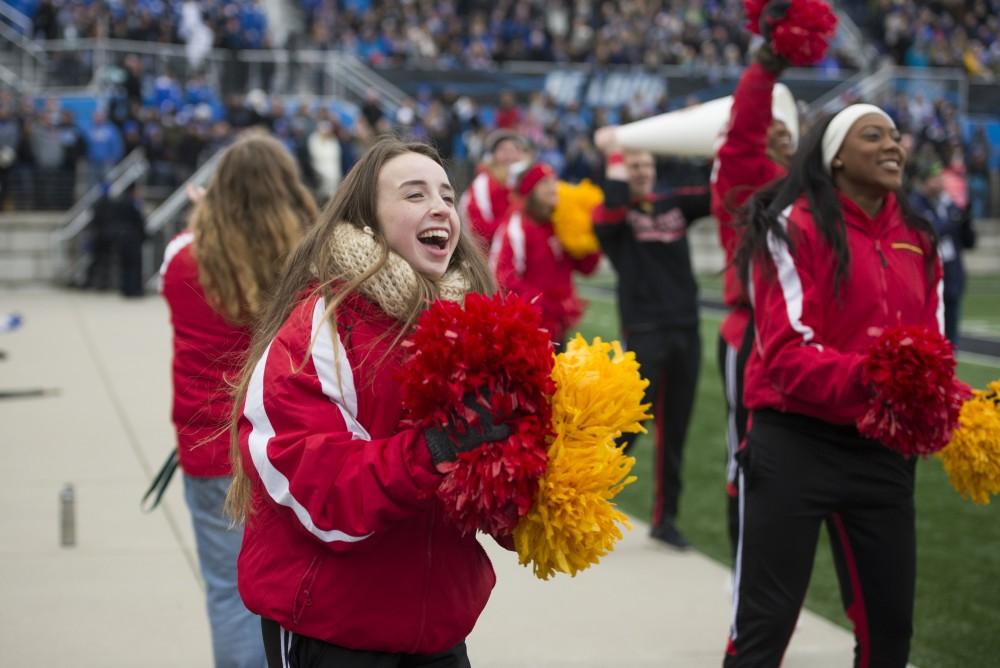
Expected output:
(27, 254)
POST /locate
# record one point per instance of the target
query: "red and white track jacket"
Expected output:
(209, 352)
(484, 204)
(347, 542)
(810, 342)
(742, 167)
(527, 259)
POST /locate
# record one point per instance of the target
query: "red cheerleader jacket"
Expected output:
(528, 259)
(811, 341)
(483, 205)
(347, 542)
(208, 355)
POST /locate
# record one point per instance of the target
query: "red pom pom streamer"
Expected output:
(753, 9)
(917, 398)
(802, 35)
(494, 344)
(492, 487)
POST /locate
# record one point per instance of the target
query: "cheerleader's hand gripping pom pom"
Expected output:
(477, 374)
(797, 30)
(773, 12)
(916, 398)
(445, 443)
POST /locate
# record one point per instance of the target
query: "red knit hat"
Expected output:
(531, 176)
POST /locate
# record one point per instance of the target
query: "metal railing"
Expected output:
(854, 43)
(167, 220)
(83, 62)
(888, 78)
(23, 55)
(70, 247)
(15, 19)
(864, 85)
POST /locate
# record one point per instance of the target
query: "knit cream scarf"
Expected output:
(393, 287)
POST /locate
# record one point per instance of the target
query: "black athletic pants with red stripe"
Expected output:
(800, 473)
(671, 360)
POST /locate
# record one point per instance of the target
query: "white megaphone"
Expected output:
(695, 131)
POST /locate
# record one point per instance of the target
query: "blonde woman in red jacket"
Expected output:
(832, 256)
(347, 556)
(215, 276)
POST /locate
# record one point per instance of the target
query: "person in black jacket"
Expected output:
(130, 233)
(644, 235)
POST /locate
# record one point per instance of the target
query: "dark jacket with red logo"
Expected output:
(646, 242)
(810, 339)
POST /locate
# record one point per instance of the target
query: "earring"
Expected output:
(369, 231)
(838, 162)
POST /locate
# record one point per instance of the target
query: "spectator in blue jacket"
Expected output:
(105, 147)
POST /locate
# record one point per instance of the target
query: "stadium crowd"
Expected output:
(474, 34)
(181, 126)
(234, 24)
(953, 33)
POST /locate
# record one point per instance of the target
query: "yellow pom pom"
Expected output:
(573, 522)
(572, 221)
(972, 458)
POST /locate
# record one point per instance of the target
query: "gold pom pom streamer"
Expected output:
(972, 457)
(573, 522)
(572, 218)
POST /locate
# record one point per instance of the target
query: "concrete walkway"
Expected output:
(129, 594)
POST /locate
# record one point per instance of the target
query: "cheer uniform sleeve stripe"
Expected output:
(179, 243)
(275, 482)
(334, 371)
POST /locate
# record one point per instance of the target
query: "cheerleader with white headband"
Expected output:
(831, 256)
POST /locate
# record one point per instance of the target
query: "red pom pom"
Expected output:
(494, 344)
(753, 9)
(917, 398)
(492, 487)
(802, 35)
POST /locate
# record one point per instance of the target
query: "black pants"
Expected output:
(130, 263)
(952, 313)
(670, 359)
(800, 473)
(732, 362)
(285, 649)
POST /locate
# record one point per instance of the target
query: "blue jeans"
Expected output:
(236, 637)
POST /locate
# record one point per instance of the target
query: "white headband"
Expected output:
(838, 128)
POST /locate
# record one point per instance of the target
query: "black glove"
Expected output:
(769, 60)
(445, 444)
(773, 12)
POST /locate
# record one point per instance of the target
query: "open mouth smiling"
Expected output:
(436, 238)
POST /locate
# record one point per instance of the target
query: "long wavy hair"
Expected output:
(252, 215)
(312, 269)
(807, 176)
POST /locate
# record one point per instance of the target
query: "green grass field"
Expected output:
(958, 581)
